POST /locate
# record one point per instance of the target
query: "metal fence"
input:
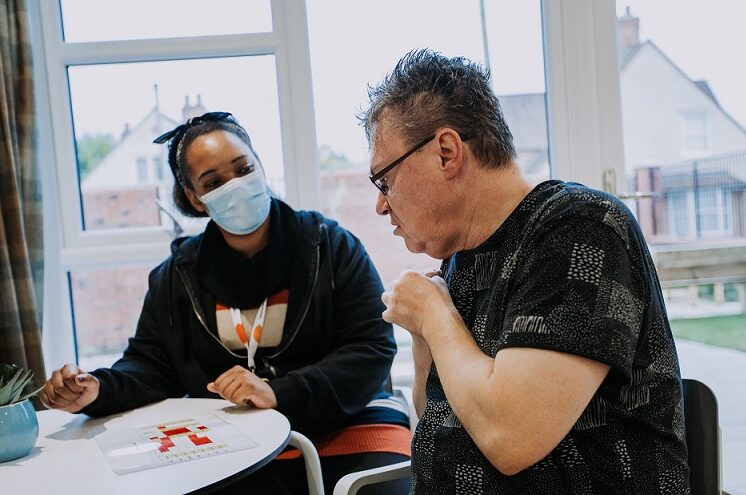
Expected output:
(697, 199)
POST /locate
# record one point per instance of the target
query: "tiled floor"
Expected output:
(724, 371)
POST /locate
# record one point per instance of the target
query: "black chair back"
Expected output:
(702, 437)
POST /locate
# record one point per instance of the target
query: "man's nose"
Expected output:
(382, 206)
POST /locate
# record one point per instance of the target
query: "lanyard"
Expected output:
(251, 342)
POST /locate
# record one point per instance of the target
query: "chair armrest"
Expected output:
(311, 460)
(351, 483)
(406, 394)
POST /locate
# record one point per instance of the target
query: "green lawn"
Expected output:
(722, 331)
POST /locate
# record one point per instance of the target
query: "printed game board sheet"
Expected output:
(146, 447)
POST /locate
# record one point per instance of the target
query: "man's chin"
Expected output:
(417, 247)
(412, 245)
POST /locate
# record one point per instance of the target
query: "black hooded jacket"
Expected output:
(335, 354)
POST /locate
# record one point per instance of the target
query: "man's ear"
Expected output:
(196, 203)
(451, 152)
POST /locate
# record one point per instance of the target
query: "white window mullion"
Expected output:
(293, 62)
(583, 91)
(123, 255)
(168, 49)
(63, 158)
(57, 329)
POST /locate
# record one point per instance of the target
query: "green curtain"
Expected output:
(21, 248)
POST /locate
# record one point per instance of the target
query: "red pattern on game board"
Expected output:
(166, 443)
(199, 440)
(176, 431)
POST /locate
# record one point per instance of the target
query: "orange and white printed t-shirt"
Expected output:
(274, 322)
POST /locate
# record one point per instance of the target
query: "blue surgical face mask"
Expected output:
(241, 205)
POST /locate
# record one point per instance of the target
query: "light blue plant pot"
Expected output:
(19, 430)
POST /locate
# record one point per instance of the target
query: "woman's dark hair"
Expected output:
(180, 138)
(427, 90)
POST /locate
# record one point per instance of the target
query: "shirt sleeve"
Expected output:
(577, 291)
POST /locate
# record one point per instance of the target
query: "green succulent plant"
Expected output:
(16, 384)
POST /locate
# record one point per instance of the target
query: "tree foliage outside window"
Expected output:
(92, 148)
(331, 160)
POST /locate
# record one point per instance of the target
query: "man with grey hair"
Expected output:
(544, 362)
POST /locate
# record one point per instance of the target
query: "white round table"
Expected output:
(67, 459)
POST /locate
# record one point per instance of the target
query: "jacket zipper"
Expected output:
(309, 296)
(193, 300)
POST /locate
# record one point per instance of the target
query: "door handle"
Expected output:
(609, 186)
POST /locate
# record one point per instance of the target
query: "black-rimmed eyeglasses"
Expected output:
(378, 178)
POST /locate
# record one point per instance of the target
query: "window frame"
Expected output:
(680, 208)
(583, 120)
(68, 246)
(688, 133)
(719, 211)
(285, 43)
(584, 107)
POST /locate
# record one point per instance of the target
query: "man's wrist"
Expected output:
(439, 323)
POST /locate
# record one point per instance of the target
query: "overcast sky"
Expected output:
(356, 42)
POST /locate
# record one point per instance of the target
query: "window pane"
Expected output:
(106, 305)
(342, 71)
(684, 121)
(677, 204)
(517, 71)
(695, 123)
(118, 109)
(107, 20)
(708, 210)
(347, 193)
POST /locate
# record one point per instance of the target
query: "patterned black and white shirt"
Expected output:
(569, 271)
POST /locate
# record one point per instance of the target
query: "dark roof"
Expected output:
(626, 54)
(705, 87)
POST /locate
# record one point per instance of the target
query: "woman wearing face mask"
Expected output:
(322, 353)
